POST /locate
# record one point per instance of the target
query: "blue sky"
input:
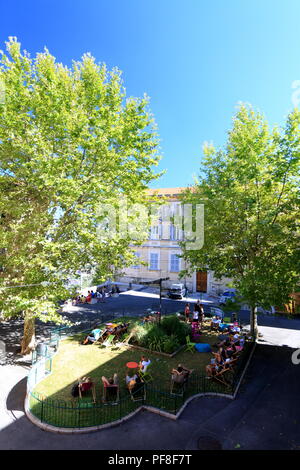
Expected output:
(195, 59)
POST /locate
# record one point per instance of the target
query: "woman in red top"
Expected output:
(88, 297)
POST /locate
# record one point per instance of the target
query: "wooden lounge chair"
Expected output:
(225, 371)
(177, 389)
(121, 332)
(85, 387)
(138, 392)
(101, 337)
(110, 394)
(220, 376)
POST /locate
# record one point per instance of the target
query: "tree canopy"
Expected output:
(250, 192)
(70, 142)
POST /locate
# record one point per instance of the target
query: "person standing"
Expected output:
(197, 311)
(187, 312)
(201, 314)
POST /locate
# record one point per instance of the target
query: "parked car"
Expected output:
(177, 291)
(227, 295)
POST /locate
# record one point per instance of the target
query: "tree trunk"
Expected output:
(253, 322)
(28, 340)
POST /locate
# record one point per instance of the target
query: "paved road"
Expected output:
(127, 304)
(265, 414)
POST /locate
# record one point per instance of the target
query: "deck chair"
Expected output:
(190, 346)
(138, 392)
(121, 332)
(146, 376)
(231, 363)
(110, 394)
(85, 387)
(109, 340)
(224, 372)
(177, 389)
(100, 339)
(214, 326)
(221, 376)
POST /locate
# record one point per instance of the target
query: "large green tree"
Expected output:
(70, 144)
(250, 192)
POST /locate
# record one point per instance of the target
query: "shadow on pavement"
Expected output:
(264, 416)
(15, 398)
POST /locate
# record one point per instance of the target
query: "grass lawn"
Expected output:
(74, 360)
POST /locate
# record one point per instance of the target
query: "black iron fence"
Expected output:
(81, 413)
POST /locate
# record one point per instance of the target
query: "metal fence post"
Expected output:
(42, 410)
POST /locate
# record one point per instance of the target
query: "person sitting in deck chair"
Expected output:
(215, 323)
(83, 385)
(110, 388)
(146, 319)
(216, 365)
(144, 363)
(114, 380)
(231, 349)
(131, 381)
(181, 374)
(222, 352)
(93, 336)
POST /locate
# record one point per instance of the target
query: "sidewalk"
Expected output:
(265, 414)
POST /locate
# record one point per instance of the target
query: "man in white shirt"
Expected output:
(144, 363)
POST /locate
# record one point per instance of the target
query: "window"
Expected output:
(174, 263)
(137, 266)
(154, 262)
(175, 232)
(154, 232)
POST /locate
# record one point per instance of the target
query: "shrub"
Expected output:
(170, 344)
(154, 338)
(173, 326)
(139, 332)
(166, 337)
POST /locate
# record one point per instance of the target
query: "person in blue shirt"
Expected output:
(93, 336)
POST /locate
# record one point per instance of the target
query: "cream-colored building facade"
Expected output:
(159, 256)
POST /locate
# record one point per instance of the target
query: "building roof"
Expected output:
(165, 191)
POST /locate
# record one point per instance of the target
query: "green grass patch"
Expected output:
(74, 360)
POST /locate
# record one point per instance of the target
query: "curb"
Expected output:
(151, 409)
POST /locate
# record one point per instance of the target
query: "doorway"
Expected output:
(201, 281)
